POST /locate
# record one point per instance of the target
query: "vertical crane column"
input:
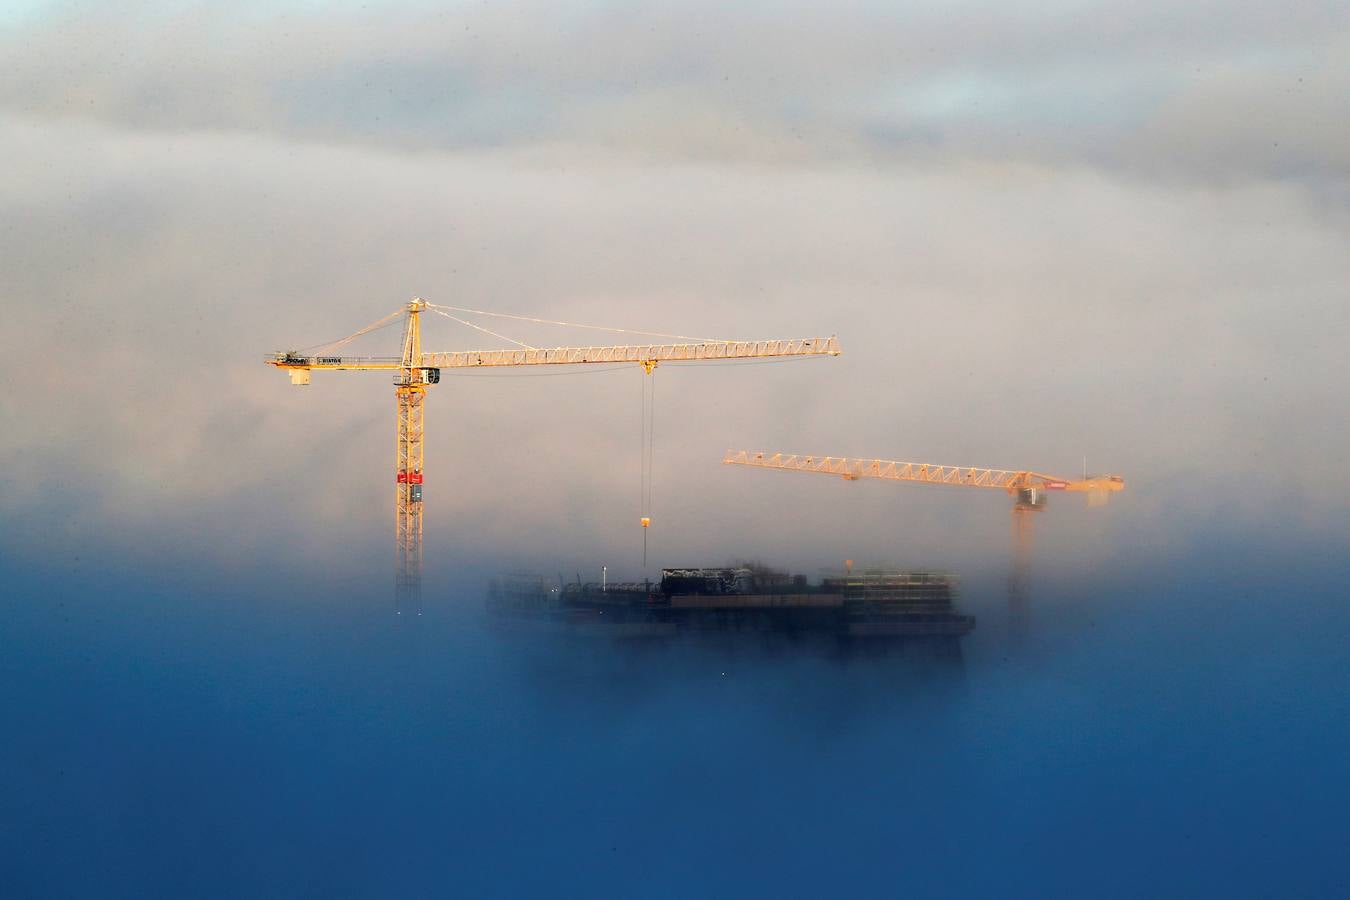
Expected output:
(1017, 577)
(1027, 501)
(410, 396)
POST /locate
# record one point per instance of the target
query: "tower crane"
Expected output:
(415, 370)
(1029, 492)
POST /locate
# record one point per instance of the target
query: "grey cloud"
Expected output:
(1202, 91)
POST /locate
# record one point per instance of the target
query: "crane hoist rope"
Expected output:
(646, 455)
(646, 422)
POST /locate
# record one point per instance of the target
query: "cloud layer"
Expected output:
(1102, 230)
(1210, 91)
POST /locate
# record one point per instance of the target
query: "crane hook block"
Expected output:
(646, 521)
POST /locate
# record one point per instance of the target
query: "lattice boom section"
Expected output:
(637, 353)
(880, 468)
(564, 356)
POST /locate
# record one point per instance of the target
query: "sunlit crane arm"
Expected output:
(1028, 490)
(892, 470)
(560, 356)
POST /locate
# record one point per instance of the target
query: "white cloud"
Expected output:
(1001, 315)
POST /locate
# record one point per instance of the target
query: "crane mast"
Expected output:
(410, 393)
(414, 371)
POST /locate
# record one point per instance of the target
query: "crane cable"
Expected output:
(373, 326)
(484, 312)
(446, 310)
(646, 454)
(440, 311)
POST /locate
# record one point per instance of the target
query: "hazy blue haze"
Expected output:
(1178, 733)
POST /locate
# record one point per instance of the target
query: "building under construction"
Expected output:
(881, 609)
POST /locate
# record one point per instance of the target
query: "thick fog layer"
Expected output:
(1095, 234)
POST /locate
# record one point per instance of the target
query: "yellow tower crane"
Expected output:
(1029, 492)
(414, 371)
